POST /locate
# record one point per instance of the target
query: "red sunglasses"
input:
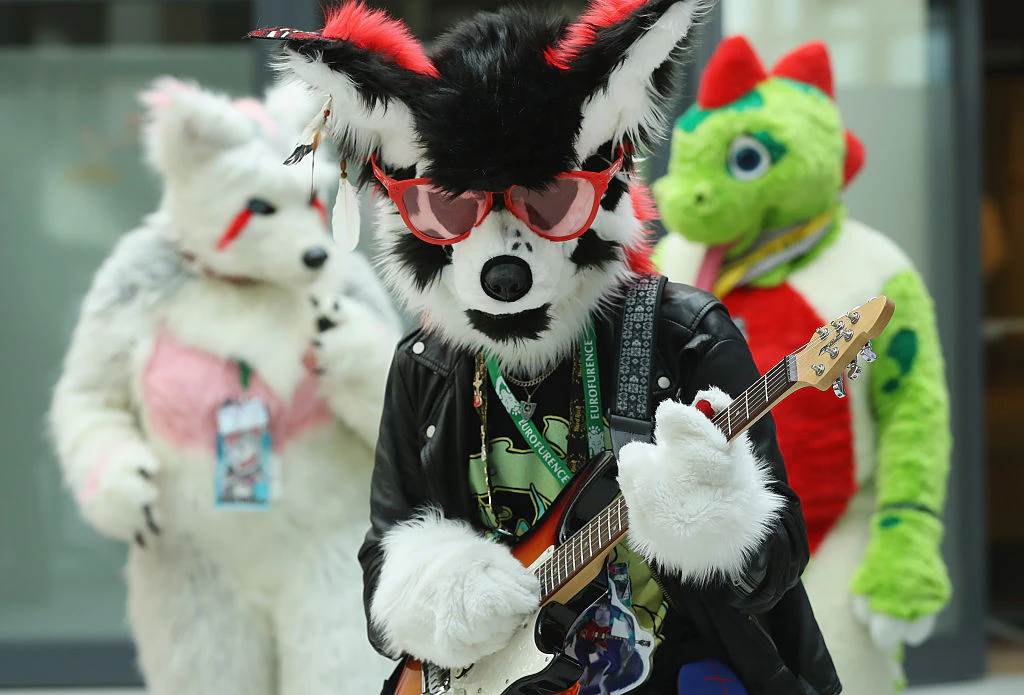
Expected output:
(563, 210)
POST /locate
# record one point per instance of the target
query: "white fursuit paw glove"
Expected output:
(119, 497)
(353, 342)
(697, 504)
(447, 595)
(888, 632)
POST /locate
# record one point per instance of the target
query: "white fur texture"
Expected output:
(572, 293)
(388, 125)
(356, 356)
(225, 602)
(447, 595)
(628, 104)
(697, 504)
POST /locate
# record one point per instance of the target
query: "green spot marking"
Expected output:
(903, 349)
(774, 147)
(695, 115)
(889, 521)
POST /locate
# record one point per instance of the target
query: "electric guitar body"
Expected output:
(568, 549)
(537, 649)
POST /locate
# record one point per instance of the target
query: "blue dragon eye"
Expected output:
(749, 159)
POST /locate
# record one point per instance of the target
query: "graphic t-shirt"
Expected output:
(523, 491)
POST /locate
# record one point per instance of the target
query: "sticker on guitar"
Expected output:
(535, 661)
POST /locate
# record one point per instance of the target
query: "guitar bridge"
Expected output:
(436, 680)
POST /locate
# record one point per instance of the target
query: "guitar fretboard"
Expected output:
(608, 527)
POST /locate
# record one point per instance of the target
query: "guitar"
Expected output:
(568, 550)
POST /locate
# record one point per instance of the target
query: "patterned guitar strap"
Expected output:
(612, 620)
(630, 418)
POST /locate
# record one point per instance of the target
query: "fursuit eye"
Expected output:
(749, 159)
(258, 206)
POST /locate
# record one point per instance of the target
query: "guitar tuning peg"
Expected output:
(823, 333)
(853, 370)
(839, 388)
(854, 317)
(868, 354)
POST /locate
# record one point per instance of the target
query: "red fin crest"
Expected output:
(808, 64)
(855, 156)
(733, 70)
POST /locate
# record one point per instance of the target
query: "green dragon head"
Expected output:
(757, 151)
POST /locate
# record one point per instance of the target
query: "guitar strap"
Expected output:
(630, 418)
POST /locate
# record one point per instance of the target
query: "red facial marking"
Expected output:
(582, 33)
(320, 207)
(235, 229)
(373, 30)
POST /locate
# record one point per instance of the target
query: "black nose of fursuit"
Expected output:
(506, 278)
(314, 258)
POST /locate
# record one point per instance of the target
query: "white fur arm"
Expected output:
(447, 595)
(354, 357)
(697, 504)
(106, 462)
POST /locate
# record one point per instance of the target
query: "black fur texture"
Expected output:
(424, 261)
(499, 115)
(594, 252)
(526, 325)
(378, 78)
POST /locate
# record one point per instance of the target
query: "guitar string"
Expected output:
(556, 570)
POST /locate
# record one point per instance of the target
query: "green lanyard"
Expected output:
(592, 409)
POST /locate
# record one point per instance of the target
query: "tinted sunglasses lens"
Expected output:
(560, 211)
(437, 215)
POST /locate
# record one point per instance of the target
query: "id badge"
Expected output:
(245, 464)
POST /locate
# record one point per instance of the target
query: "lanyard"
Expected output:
(244, 374)
(592, 409)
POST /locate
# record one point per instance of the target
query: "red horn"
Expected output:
(733, 70)
(808, 64)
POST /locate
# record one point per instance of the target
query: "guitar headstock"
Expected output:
(837, 346)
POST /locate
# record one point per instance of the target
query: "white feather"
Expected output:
(345, 220)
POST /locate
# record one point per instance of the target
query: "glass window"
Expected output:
(73, 183)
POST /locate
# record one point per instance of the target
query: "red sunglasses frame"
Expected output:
(600, 180)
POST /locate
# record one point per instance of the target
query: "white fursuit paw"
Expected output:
(697, 503)
(119, 498)
(447, 595)
(887, 632)
(352, 340)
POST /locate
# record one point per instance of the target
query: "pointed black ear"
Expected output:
(372, 66)
(623, 52)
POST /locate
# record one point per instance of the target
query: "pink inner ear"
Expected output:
(163, 90)
(257, 113)
(808, 64)
(582, 33)
(373, 30)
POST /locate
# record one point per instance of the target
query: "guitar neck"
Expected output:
(606, 529)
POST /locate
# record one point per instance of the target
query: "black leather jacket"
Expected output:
(429, 429)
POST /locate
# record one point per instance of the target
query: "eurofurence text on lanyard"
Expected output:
(592, 409)
(245, 472)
